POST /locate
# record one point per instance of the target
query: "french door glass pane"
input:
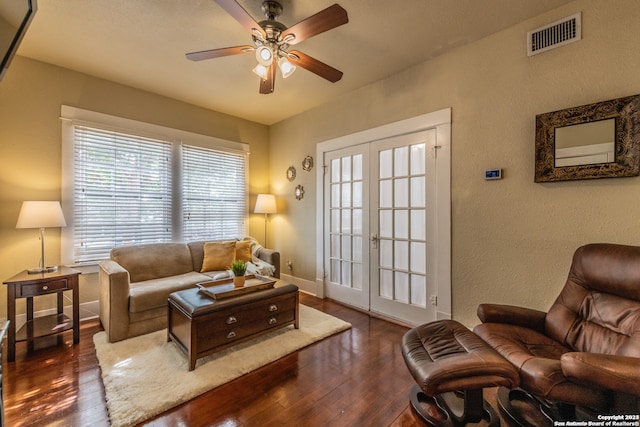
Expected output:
(386, 194)
(346, 273)
(418, 257)
(386, 253)
(357, 249)
(386, 164)
(335, 271)
(417, 159)
(418, 290)
(335, 221)
(418, 192)
(401, 287)
(401, 161)
(357, 276)
(357, 221)
(401, 255)
(357, 194)
(357, 167)
(346, 195)
(401, 188)
(418, 219)
(335, 170)
(346, 168)
(401, 224)
(386, 224)
(386, 283)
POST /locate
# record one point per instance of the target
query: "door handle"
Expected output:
(374, 241)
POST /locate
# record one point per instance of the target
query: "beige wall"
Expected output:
(31, 93)
(512, 240)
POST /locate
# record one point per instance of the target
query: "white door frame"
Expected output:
(441, 122)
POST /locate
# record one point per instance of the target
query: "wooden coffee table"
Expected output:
(201, 325)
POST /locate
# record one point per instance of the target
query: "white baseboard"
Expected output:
(307, 286)
(88, 310)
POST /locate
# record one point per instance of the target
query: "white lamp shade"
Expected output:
(40, 214)
(265, 203)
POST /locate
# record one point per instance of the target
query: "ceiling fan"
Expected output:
(272, 40)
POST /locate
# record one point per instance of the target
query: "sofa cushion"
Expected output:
(150, 294)
(218, 255)
(243, 251)
(154, 260)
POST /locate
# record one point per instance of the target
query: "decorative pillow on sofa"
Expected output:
(218, 256)
(243, 251)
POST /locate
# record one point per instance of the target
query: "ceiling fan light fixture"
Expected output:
(286, 67)
(264, 55)
(261, 71)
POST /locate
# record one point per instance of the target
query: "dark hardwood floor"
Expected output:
(355, 378)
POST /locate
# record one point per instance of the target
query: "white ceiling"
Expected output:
(142, 43)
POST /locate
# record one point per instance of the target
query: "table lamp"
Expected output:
(266, 204)
(41, 214)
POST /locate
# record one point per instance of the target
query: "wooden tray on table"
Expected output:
(221, 289)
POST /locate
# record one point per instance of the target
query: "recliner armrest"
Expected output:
(520, 316)
(618, 373)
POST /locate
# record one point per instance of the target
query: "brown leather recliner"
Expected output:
(581, 359)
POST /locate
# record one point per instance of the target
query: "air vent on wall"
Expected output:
(559, 33)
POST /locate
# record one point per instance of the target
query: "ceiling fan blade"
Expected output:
(217, 53)
(311, 64)
(325, 20)
(267, 85)
(234, 9)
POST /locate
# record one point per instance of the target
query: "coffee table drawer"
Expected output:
(215, 323)
(244, 330)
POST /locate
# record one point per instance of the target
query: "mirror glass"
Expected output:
(600, 140)
(586, 143)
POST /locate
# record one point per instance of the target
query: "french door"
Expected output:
(381, 221)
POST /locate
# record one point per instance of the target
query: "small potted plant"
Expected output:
(238, 268)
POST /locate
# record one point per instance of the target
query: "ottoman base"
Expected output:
(453, 409)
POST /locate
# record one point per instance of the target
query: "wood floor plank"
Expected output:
(355, 378)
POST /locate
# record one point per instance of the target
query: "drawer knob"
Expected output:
(231, 320)
(273, 321)
(45, 287)
(273, 307)
(231, 335)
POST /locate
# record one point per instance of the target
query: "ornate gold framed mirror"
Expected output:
(600, 140)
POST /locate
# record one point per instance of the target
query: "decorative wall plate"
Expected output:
(291, 173)
(307, 163)
(299, 192)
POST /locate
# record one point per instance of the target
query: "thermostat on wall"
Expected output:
(493, 174)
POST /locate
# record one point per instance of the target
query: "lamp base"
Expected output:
(43, 270)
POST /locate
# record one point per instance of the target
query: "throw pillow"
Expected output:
(243, 251)
(218, 256)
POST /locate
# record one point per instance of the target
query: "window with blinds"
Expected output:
(122, 192)
(213, 194)
(130, 189)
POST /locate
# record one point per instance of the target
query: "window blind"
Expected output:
(122, 192)
(213, 194)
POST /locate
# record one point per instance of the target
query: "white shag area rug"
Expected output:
(146, 375)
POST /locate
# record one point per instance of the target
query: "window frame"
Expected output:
(71, 116)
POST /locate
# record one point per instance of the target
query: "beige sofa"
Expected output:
(137, 280)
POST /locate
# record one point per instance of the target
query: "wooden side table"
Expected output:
(25, 285)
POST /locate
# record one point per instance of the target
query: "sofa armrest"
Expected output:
(618, 373)
(272, 257)
(520, 316)
(113, 281)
